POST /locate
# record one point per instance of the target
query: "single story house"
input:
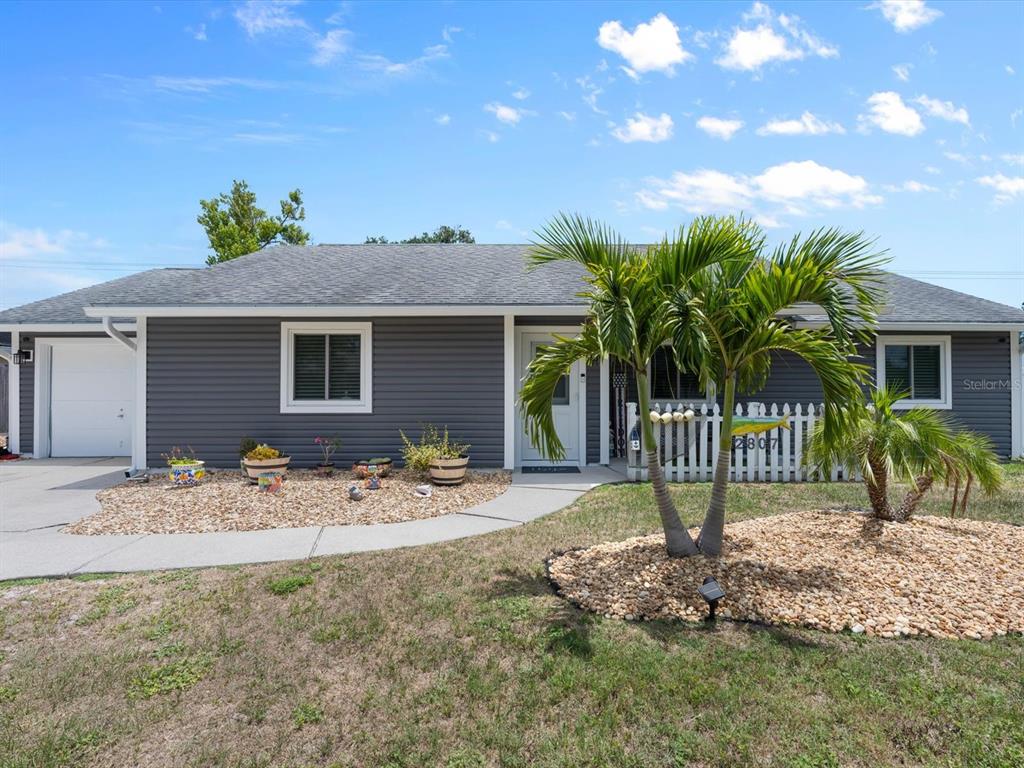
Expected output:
(362, 341)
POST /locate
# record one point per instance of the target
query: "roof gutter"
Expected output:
(116, 335)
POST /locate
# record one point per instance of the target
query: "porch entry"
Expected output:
(568, 402)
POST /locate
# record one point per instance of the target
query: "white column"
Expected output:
(510, 391)
(14, 399)
(139, 425)
(1016, 398)
(605, 412)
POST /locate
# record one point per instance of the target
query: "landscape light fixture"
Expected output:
(22, 356)
(712, 593)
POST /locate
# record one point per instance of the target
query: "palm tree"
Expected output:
(628, 319)
(915, 446)
(727, 321)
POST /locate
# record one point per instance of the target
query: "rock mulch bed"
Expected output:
(827, 570)
(224, 501)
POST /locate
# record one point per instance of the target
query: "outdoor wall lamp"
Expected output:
(712, 593)
(22, 356)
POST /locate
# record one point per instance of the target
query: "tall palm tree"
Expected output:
(915, 446)
(628, 319)
(728, 319)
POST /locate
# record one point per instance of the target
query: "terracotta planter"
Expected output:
(448, 471)
(186, 474)
(255, 467)
(363, 468)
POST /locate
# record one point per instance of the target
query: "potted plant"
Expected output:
(444, 460)
(246, 445)
(379, 466)
(185, 469)
(328, 445)
(264, 458)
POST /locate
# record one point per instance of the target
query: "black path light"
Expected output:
(712, 592)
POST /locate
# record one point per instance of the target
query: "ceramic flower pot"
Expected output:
(325, 470)
(187, 474)
(255, 467)
(363, 468)
(448, 471)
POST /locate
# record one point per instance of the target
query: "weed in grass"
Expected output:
(288, 584)
(7, 693)
(465, 758)
(169, 650)
(69, 744)
(29, 582)
(307, 713)
(178, 675)
(114, 599)
(85, 577)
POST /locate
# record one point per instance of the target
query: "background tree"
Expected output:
(235, 226)
(726, 322)
(443, 234)
(914, 446)
(628, 319)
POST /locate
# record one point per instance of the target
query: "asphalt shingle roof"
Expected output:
(404, 275)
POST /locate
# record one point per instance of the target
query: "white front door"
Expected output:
(566, 404)
(92, 395)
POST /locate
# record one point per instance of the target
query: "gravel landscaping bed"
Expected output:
(826, 570)
(224, 501)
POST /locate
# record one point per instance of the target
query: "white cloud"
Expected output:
(889, 113)
(956, 157)
(653, 46)
(520, 93)
(197, 32)
(372, 62)
(902, 71)
(911, 186)
(21, 243)
(590, 93)
(906, 15)
(775, 38)
(932, 170)
(448, 33)
(807, 125)
(1007, 187)
(444, 119)
(208, 84)
(719, 128)
(1010, 70)
(491, 136)
(944, 110)
(330, 46)
(643, 127)
(506, 114)
(567, 116)
(1015, 116)
(1012, 159)
(259, 16)
(795, 188)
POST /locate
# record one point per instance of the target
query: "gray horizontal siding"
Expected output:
(212, 382)
(27, 383)
(593, 414)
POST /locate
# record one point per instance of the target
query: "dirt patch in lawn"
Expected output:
(827, 570)
(224, 501)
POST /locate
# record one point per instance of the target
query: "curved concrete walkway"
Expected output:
(38, 498)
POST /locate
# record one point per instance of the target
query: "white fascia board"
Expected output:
(928, 327)
(62, 327)
(350, 310)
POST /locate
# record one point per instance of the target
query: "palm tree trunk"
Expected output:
(678, 541)
(922, 485)
(967, 492)
(713, 529)
(878, 490)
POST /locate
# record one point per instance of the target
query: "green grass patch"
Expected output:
(307, 713)
(26, 582)
(178, 675)
(286, 585)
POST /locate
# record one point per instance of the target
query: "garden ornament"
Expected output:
(355, 494)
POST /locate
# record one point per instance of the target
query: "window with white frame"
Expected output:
(669, 384)
(326, 367)
(919, 366)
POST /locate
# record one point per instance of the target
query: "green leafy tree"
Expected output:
(729, 318)
(916, 446)
(443, 234)
(628, 319)
(235, 226)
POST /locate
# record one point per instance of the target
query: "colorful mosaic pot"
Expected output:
(187, 474)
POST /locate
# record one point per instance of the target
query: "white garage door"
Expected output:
(92, 394)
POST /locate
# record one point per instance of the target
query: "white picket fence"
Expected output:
(689, 450)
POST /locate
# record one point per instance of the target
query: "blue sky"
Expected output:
(905, 120)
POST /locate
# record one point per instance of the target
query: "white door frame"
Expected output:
(579, 370)
(43, 359)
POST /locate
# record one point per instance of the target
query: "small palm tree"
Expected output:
(915, 446)
(628, 319)
(728, 319)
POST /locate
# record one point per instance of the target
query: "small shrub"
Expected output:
(288, 584)
(262, 452)
(307, 713)
(177, 456)
(247, 444)
(433, 444)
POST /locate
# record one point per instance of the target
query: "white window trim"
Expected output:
(945, 369)
(363, 405)
(709, 390)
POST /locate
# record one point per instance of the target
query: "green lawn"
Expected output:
(459, 655)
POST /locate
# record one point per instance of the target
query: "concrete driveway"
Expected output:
(39, 497)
